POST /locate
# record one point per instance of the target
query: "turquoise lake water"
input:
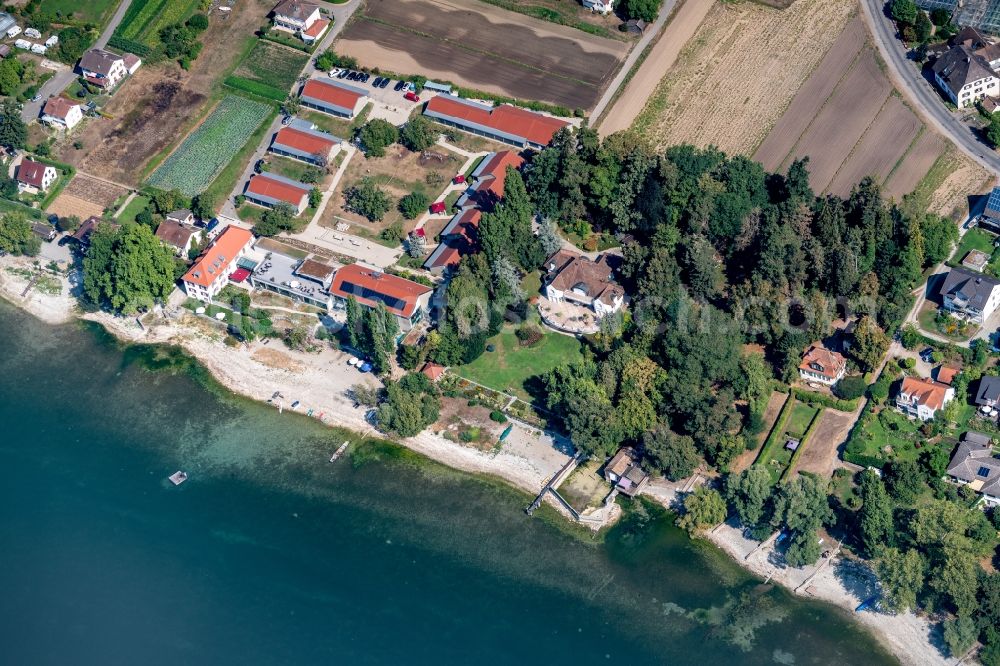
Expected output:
(271, 555)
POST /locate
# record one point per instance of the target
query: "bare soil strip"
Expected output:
(811, 97)
(882, 146)
(774, 405)
(820, 453)
(845, 117)
(918, 161)
(394, 50)
(67, 205)
(633, 100)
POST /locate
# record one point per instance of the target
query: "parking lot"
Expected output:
(388, 103)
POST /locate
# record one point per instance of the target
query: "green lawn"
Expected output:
(229, 135)
(133, 208)
(339, 127)
(289, 168)
(91, 11)
(974, 239)
(511, 366)
(802, 416)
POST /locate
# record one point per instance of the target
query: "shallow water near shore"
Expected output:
(270, 554)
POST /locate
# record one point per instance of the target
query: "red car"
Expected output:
(438, 207)
(412, 96)
(459, 179)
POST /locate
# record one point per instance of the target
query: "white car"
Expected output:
(334, 72)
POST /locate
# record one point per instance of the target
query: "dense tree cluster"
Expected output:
(410, 405)
(376, 135)
(367, 199)
(16, 236)
(127, 269)
(180, 40)
(13, 131)
(372, 331)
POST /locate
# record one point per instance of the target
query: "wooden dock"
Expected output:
(554, 482)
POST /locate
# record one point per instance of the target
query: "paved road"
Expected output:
(63, 78)
(341, 14)
(652, 31)
(919, 91)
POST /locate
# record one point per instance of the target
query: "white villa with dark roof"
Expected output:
(300, 18)
(970, 295)
(103, 68)
(61, 113)
(965, 76)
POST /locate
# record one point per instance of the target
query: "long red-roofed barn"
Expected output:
(270, 189)
(302, 141)
(505, 123)
(333, 97)
(369, 286)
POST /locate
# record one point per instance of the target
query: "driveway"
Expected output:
(919, 92)
(64, 77)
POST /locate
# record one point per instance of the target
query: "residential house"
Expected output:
(83, 233)
(970, 295)
(333, 97)
(181, 216)
(974, 465)
(44, 231)
(4, 50)
(600, 6)
(132, 63)
(34, 177)
(946, 374)
(822, 366)
(459, 238)
(990, 219)
(504, 123)
(965, 77)
(302, 141)
(575, 278)
(635, 26)
(624, 473)
(179, 236)
(988, 392)
(370, 286)
(210, 272)
(61, 113)
(923, 398)
(103, 68)
(270, 189)
(488, 180)
(301, 18)
(433, 371)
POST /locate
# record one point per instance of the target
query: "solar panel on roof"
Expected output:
(984, 472)
(364, 292)
(994, 200)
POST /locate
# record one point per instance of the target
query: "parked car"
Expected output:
(365, 367)
(399, 85)
(365, 76)
(385, 82)
(926, 354)
(36, 98)
(342, 73)
(412, 96)
(352, 76)
(335, 72)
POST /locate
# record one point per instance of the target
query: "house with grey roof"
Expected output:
(988, 391)
(965, 76)
(970, 295)
(975, 466)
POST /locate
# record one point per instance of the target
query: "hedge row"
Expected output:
(802, 444)
(132, 46)
(284, 41)
(256, 88)
(822, 400)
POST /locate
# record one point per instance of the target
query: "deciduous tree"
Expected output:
(702, 509)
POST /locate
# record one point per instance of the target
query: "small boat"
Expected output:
(865, 604)
(178, 477)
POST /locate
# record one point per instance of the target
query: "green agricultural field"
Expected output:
(211, 146)
(91, 11)
(511, 367)
(145, 18)
(271, 68)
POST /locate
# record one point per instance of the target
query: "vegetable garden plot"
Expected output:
(209, 148)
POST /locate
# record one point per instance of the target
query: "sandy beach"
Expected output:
(527, 460)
